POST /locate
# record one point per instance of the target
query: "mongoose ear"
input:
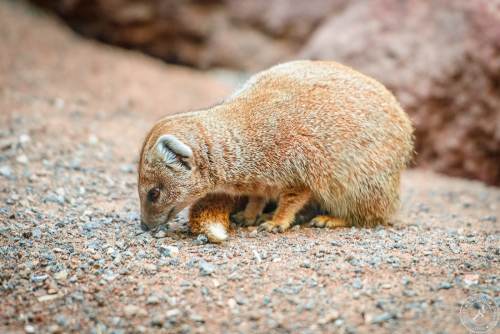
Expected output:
(173, 150)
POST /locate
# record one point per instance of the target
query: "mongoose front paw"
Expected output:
(328, 222)
(240, 219)
(271, 226)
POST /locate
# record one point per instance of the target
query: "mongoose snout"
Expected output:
(300, 133)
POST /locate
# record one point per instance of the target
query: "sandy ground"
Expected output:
(73, 114)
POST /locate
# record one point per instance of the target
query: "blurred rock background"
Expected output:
(440, 57)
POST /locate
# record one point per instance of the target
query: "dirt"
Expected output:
(73, 258)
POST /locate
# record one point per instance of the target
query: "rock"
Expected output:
(109, 275)
(161, 234)
(454, 107)
(491, 218)
(26, 234)
(173, 313)
(47, 298)
(5, 171)
(24, 139)
(169, 251)
(93, 140)
(127, 168)
(61, 320)
(206, 268)
(150, 267)
(133, 310)
(224, 32)
(357, 284)
(29, 329)
(39, 278)
(22, 159)
(59, 103)
(444, 286)
(55, 198)
(330, 316)
(256, 256)
(201, 239)
(306, 264)
(377, 319)
(232, 303)
(141, 254)
(471, 279)
(153, 300)
(61, 275)
(37, 233)
(409, 293)
(133, 216)
(157, 320)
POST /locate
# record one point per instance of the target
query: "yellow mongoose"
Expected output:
(300, 132)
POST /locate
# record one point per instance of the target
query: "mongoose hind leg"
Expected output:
(251, 215)
(328, 222)
(288, 205)
(210, 216)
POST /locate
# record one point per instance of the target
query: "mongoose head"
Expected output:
(169, 179)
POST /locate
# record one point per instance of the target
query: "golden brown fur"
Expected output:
(304, 131)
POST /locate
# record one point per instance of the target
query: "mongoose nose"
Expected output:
(144, 227)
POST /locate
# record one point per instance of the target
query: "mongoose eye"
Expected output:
(153, 194)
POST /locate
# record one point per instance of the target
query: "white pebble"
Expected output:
(22, 159)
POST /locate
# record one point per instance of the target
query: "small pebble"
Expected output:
(39, 278)
(206, 268)
(357, 284)
(153, 300)
(29, 329)
(173, 313)
(24, 139)
(22, 159)
(127, 168)
(93, 140)
(169, 251)
(61, 275)
(157, 320)
(471, 279)
(444, 286)
(5, 171)
(201, 239)
(133, 310)
(330, 316)
(491, 218)
(306, 264)
(161, 234)
(150, 267)
(377, 319)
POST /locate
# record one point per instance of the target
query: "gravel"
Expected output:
(74, 259)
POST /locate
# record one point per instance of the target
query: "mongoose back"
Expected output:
(300, 132)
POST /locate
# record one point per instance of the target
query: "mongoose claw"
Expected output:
(271, 226)
(317, 223)
(328, 222)
(267, 226)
